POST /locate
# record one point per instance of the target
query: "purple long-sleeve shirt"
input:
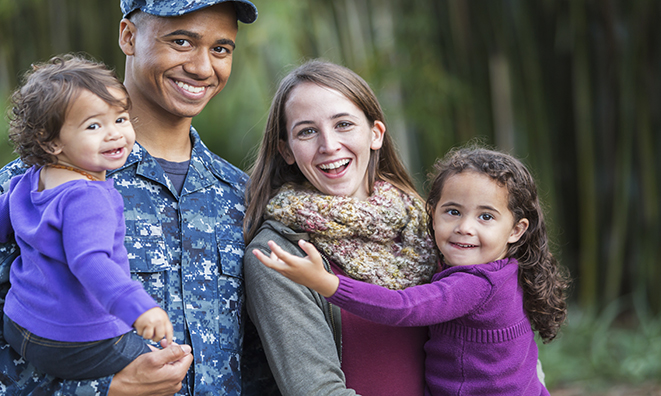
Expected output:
(71, 281)
(481, 342)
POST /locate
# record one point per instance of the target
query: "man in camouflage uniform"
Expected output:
(184, 206)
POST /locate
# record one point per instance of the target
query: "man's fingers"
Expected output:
(172, 353)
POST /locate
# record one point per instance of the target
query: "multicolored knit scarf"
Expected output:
(381, 240)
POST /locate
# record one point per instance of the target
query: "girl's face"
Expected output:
(330, 139)
(95, 136)
(472, 223)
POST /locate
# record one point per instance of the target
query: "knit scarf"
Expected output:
(382, 240)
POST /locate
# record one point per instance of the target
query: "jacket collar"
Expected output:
(203, 168)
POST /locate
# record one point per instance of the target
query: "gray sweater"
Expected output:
(299, 329)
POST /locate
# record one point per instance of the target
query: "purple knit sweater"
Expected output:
(71, 281)
(481, 342)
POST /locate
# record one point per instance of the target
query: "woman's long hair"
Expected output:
(544, 282)
(270, 171)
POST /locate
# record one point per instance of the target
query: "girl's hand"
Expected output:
(154, 325)
(308, 271)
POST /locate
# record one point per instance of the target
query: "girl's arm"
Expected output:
(448, 298)
(308, 271)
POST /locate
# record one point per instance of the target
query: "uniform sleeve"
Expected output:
(297, 340)
(6, 229)
(448, 298)
(88, 233)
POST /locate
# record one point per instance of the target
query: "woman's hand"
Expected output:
(308, 271)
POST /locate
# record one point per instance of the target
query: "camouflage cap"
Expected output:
(246, 11)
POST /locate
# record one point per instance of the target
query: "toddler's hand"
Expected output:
(308, 271)
(154, 325)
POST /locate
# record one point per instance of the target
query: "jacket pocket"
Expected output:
(150, 262)
(147, 254)
(229, 240)
(231, 248)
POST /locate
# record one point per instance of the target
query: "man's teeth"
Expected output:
(189, 88)
(334, 165)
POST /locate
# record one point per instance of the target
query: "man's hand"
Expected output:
(159, 372)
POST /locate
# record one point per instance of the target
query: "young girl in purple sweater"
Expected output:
(72, 303)
(497, 283)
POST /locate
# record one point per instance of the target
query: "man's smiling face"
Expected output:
(180, 63)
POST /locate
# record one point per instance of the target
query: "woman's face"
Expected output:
(330, 139)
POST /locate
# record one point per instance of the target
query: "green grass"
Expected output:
(620, 345)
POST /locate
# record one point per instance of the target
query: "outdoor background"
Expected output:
(569, 86)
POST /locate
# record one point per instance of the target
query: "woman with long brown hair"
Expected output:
(327, 171)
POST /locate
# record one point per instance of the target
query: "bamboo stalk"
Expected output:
(586, 175)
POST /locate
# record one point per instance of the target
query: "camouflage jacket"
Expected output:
(187, 250)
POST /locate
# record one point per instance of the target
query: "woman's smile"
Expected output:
(330, 140)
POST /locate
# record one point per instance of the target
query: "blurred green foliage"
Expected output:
(620, 345)
(570, 86)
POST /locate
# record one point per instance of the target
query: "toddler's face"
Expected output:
(95, 136)
(472, 223)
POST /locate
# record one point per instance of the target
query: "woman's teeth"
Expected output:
(334, 165)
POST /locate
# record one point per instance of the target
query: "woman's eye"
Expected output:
(344, 124)
(304, 133)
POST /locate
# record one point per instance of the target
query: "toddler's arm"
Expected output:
(308, 271)
(154, 325)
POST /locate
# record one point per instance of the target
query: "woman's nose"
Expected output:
(329, 142)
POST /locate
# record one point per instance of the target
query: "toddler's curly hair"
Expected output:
(39, 107)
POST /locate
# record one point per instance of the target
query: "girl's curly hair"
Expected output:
(543, 280)
(39, 107)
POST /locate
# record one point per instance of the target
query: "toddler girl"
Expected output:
(72, 301)
(497, 283)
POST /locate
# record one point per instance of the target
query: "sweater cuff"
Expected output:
(344, 291)
(132, 305)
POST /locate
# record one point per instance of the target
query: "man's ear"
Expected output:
(286, 153)
(518, 230)
(127, 30)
